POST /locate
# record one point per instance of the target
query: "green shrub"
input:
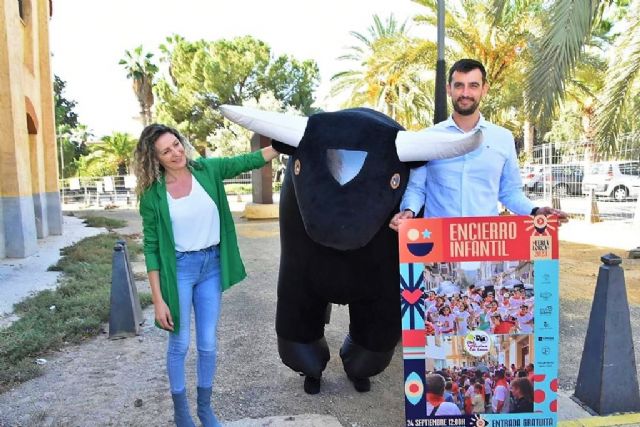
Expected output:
(71, 313)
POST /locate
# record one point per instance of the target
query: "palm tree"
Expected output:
(498, 34)
(142, 71)
(117, 150)
(389, 73)
(622, 77)
(498, 39)
(558, 52)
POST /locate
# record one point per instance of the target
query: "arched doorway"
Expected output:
(36, 165)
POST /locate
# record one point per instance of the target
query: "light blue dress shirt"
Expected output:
(470, 185)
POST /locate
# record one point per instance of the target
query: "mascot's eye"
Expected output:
(395, 181)
(296, 167)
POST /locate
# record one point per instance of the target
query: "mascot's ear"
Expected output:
(283, 148)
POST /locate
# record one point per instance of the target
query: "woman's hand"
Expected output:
(163, 315)
(269, 153)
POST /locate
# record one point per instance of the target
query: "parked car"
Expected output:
(532, 178)
(567, 179)
(616, 179)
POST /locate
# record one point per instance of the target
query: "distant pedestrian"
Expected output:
(500, 400)
(478, 399)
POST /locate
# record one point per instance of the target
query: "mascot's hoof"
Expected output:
(311, 385)
(361, 385)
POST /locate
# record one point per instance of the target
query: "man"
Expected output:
(436, 404)
(469, 185)
(500, 399)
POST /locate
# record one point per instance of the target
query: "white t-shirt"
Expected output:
(501, 393)
(462, 318)
(446, 323)
(487, 385)
(523, 325)
(445, 408)
(195, 219)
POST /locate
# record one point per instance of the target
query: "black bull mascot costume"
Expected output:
(345, 178)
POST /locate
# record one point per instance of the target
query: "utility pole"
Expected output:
(440, 102)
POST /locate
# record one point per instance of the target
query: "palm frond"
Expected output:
(618, 90)
(556, 56)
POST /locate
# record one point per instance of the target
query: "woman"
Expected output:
(446, 321)
(478, 399)
(190, 249)
(499, 326)
(522, 395)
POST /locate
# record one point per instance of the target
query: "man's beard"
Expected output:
(465, 111)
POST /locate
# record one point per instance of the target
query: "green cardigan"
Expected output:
(159, 246)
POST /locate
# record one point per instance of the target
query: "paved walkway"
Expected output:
(29, 275)
(20, 277)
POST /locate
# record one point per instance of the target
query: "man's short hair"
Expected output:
(465, 65)
(434, 383)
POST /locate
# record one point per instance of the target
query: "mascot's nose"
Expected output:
(345, 164)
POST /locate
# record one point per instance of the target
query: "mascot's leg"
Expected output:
(374, 332)
(301, 342)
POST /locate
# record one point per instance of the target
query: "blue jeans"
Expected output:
(198, 284)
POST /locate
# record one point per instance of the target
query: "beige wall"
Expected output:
(28, 160)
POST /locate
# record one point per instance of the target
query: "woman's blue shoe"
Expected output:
(181, 414)
(205, 413)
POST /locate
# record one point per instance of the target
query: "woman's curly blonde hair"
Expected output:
(147, 168)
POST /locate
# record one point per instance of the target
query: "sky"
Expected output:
(89, 37)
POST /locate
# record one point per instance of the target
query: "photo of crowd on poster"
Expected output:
(479, 326)
(495, 297)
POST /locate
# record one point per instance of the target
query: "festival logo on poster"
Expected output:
(479, 299)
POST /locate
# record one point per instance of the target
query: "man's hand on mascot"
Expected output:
(399, 217)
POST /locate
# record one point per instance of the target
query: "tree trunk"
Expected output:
(529, 140)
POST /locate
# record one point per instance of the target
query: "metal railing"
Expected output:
(112, 191)
(566, 175)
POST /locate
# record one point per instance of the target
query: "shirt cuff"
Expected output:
(151, 262)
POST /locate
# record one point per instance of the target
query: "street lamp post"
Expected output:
(440, 101)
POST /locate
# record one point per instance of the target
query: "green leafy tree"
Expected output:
(64, 114)
(141, 70)
(204, 75)
(73, 142)
(232, 139)
(71, 135)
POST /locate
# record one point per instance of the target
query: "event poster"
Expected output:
(480, 320)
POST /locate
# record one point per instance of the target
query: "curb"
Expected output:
(612, 420)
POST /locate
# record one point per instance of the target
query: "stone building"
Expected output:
(29, 197)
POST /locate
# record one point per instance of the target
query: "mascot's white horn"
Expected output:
(285, 128)
(433, 144)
